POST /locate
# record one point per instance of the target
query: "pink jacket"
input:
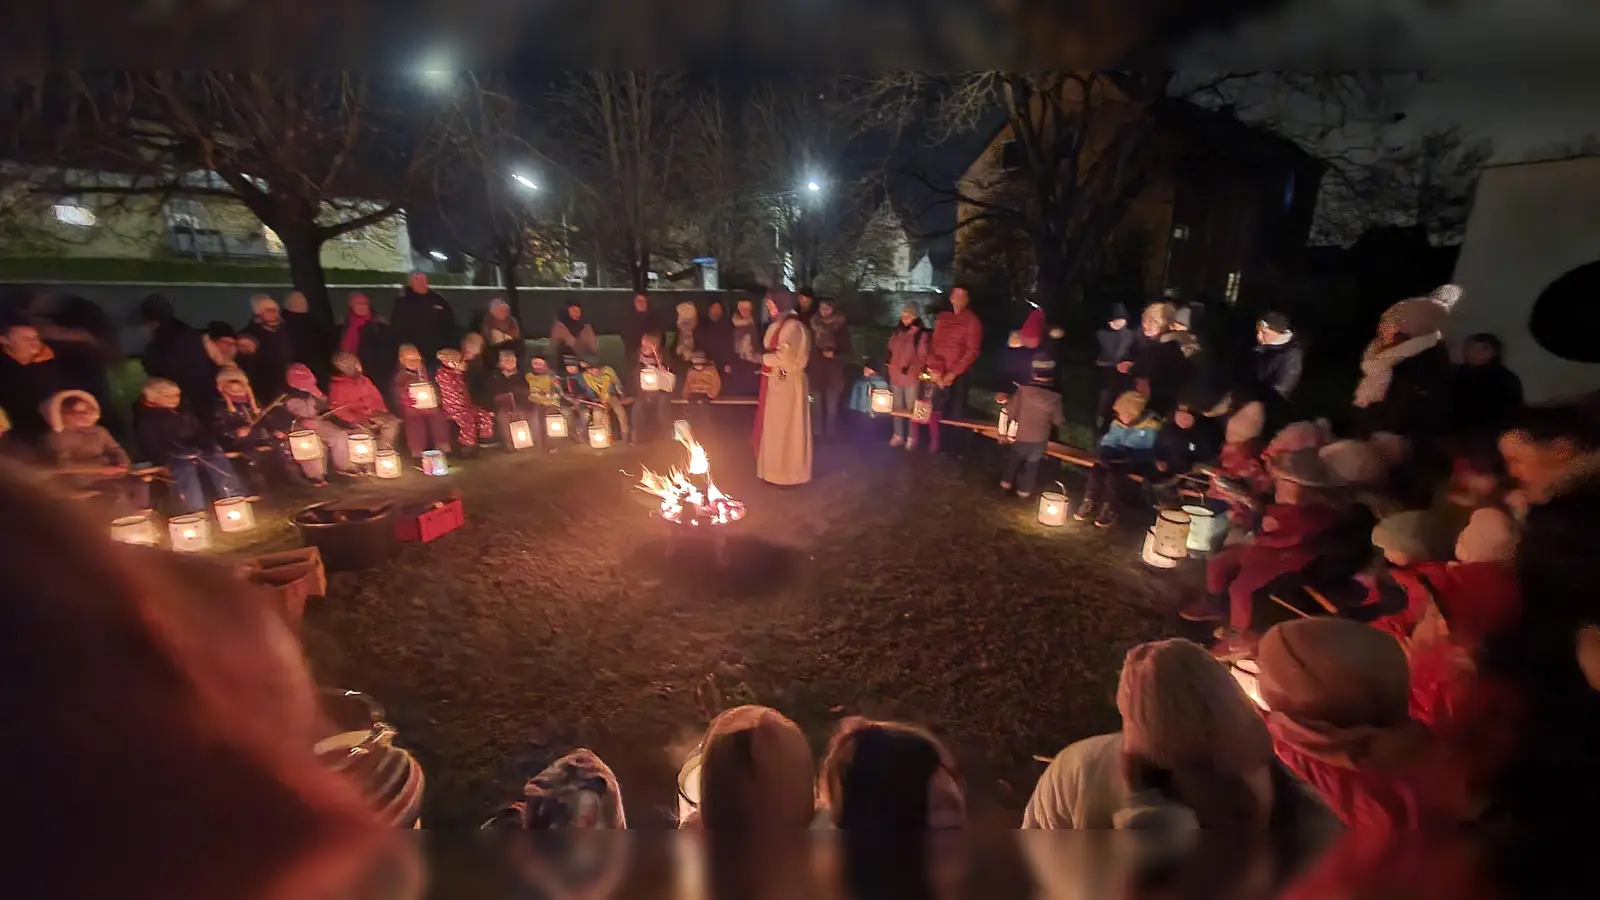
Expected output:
(355, 399)
(908, 355)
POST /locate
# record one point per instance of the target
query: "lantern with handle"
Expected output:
(235, 514)
(387, 464)
(1053, 507)
(363, 448)
(305, 445)
(1166, 543)
(555, 425)
(1207, 529)
(922, 407)
(521, 434)
(138, 530)
(649, 379)
(434, 463)
(1007, 426)
(423, 396)
(882, 400)
(600, 435)
(190, 534)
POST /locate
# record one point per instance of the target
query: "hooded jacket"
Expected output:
(81, 447)
(907, 354)
(1037, 411)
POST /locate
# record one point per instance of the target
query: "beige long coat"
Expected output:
(785, 453)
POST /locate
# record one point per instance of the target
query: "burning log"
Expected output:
(691, 498)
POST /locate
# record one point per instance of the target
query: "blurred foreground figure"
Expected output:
(161, 711)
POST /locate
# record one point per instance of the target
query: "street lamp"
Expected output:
(525, 181)
(438, 256)
(813, 186)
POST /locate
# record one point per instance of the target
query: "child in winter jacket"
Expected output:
(1127, 447)
(607, 390)
(357, 402)
(172, 438)
(424, 425)
(650, 407)
(578, 398)
(89, 458)
(505, 389)
(309, 405)
(701, 385)
(1036, 409)
(1115, 343)
(545, 397)
(907, 355)
(241, 425)
(455, 398)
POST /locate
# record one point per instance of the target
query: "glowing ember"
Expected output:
(691, 498)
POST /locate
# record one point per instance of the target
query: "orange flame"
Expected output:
(682, 498)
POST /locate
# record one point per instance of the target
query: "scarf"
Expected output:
(300, 378)
(45, 354)
(350, 341)
(1377, 367)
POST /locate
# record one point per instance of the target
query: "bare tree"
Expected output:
(1427, 182)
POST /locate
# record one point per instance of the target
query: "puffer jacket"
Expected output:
(1037, 410)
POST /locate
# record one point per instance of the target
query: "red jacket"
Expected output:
(957, 337)
(1283, 550)
(359, 398)
(1386, 801)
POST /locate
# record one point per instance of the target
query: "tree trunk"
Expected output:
(303, 247)
(508, 281)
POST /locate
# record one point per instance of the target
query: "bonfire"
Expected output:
(691, 497)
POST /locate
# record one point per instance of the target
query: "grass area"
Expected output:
(895, 584)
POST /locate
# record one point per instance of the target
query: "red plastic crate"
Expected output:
(426, 522)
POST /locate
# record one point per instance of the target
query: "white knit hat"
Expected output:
(1356, 463)
(1490, 536)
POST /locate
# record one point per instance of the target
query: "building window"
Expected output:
(1180, 232)
(1232, 293)
(73, 214)
(1010, 156)
(274, 243)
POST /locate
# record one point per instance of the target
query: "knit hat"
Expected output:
(1297, 436)
(1490, 536)
(756, 772)
(1305, 467)
(1356, 463)
(1335, 686)
(1276, 322)
(1247, 423)
(218, 330)
(1422, 315)
(1180, 707)
(1405, 533)
(347, 363)
(1129, 405)
(261, 302)
(589, 360)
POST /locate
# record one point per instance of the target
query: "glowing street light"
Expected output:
(525, 181)
(813, 186)
(438, 256)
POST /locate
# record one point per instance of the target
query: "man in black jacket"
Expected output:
(424, 319)
(1279, 363)
(177, 352)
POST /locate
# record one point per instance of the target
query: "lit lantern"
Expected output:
(1207, 530)
(649, 379)
(235, 514)
(1053, 507)
(362, 447)
(305, 445)
(600, 436)
(1007, 427)
(135, 530)
(555, 426)
(434, 463)
(423, 396)
(1151, 557)
(1172, 533)
(189, 533)
(882, 400)
(388, 464)
(521, 434)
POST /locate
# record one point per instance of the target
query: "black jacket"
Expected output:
(164, 434)
(1184, 448)
(1417, 402)
(1483, 399)
(25, 388)
(177, 353)
(268, 368)
(716, 339)
(1163, 364)
(1114, 346)
(425, 321)
(310, 342)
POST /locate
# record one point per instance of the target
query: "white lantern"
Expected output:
(521, 434)
(555, 425)
(434, 463)
(190, 533)
(388, 464)
(649, 379)
(423, 396)
(600, 436)
(235, 514)
(1151, 557)
(137, 530)
(305, 445)
(1053, 507)
(1172, 533)
(1207, 530)
(362, 447)
(882, 400)
(1007, 427)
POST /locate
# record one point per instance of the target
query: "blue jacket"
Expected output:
(1137, 438)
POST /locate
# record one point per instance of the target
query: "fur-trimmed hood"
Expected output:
(51, 409)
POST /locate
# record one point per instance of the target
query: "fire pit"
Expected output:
(690, 501)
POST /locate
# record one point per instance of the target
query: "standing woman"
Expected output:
(1405, 371)
(782, 438)
(500, 331)
(907, 355)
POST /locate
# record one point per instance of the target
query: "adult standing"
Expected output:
(953, 348)
(1279, 362)
(369, 338)
(782, 437)
(746, 378)
(423, 318)
(1405, 371)
(1156, 366)
(274, 347)
(716, 337)
(30, 375)
(639, 321)
(310, 338)
(569, 333)
(500, 331)
(177, 353)
(1484, 394)
(831, 350)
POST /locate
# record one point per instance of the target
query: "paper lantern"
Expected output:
(305, 445)
(922, 411)
(190, 533)
(1053, 507)
(689, 785)
(362, 447)
(882, 400)
(137, 530)
(521, 434)
(555, 425)
(387, 463)
(649, 379)
(600, 436)
(423, 396)
(1007, 428)
(1207, 530)
(434, 463)
(1172, 533)
(1151, 557)
(235, 514)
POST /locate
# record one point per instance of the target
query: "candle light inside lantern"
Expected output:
(555, 425)
(305, 445)
(521, 434)
(649, 379)
(135, 530)
(362, 448)
(1053, 507)
(423, 396)
(388, 464)
(600, 436)
(189, 533)
(434, 463)
(235, 514)
(882, 400)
